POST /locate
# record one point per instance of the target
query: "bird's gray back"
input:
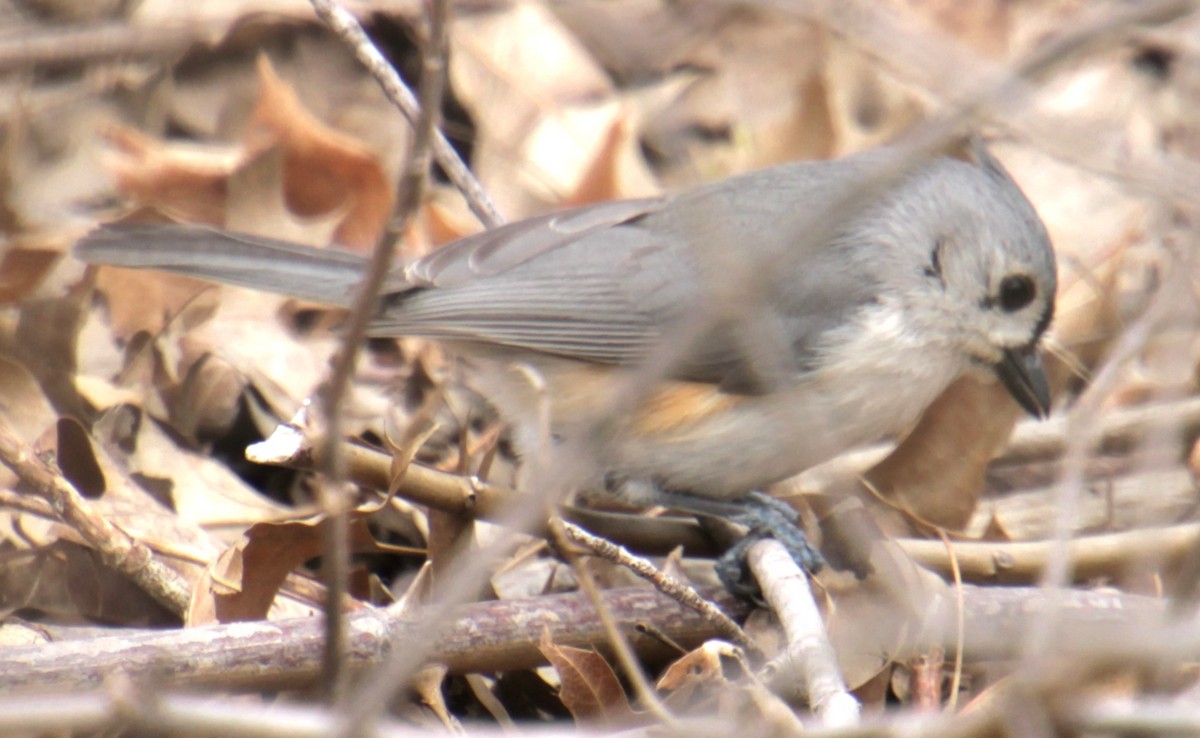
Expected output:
(635, 273)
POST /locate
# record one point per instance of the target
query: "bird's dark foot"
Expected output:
(765, 517)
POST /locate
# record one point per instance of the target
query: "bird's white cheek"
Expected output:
(888, 357)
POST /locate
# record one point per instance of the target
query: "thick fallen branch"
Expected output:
(504, 635)
(483, 637)
(1022, 562)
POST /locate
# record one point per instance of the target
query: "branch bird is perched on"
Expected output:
(849, 316)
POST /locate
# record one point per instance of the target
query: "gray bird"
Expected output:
(804, 310)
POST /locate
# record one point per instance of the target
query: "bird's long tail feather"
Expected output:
(318, 275)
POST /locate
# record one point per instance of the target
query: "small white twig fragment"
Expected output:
(285, 443)
(809, 653)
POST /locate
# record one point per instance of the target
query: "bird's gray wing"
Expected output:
(607, 283)
(505, 247)
(556, 283)
(573, 300)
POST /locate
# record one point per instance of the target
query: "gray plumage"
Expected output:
(825, 333)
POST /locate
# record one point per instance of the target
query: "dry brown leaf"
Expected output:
(142, 509)
(875, 621)
(936, 473)
(23, 403)
(189, 182)
(700, 665)
(73, 451)
(868, 105)
(258, 203)
(590, 688)
(61, 559)
(995, 530)
(23, 269)
(324, 170)
(517, 70)
(319, 173)
(443, 218)
(601, 179)
(873, 694)
(242, 582)
(27, 408)
(140, 300)
(209, 399)
(204, 494)
(66, 580)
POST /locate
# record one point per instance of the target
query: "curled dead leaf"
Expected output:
(705, 664)
(187, 181)
(590, 688)
(243, 581)
(323, 170)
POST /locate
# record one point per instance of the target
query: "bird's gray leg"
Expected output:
(765, 516)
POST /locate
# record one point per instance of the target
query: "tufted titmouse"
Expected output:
(798, 321)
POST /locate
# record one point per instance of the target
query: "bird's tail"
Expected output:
(318, 275)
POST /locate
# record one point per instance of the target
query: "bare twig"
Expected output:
(1135, 717)
(62, 45)
(616, 639)
(455, 494)
(155, 712)
(1007, 562)
(808, 652)
(925, 680)
(347, 27)
(117, 548)
(668, 585)
(1082, 421)
(10, 500)
(290, 446)
(424, 121)
(1117, 431)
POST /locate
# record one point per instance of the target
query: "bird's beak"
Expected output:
(1024, 376)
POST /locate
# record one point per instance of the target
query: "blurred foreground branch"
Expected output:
(504, 635)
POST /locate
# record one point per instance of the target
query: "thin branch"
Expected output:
(1118, 431)
(614, 636)
(424, 120)
(668, 585)
(117, 548)
(1107, 716)
(808, 651)
(346, 26)
(155, 712)
(411, 187)
(59, 45)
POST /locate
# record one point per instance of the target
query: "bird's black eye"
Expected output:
(934, 268)
(1016, 291)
